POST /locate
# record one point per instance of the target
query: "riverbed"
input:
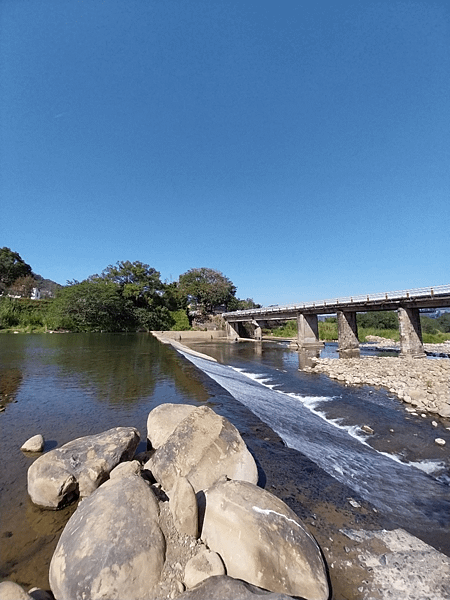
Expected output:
(304, 430)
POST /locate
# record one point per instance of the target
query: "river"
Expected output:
(304, 430)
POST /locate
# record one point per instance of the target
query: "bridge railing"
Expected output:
(425, 292)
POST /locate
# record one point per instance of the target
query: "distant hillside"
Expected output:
(47, 287)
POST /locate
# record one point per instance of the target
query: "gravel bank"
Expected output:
(422, 383)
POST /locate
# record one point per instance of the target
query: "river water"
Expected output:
(304, 429)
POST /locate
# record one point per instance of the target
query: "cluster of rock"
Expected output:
(185, 520)
(423, 383)
(388, 344)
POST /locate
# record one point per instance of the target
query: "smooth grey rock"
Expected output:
(34, 444)
(184, 508)
(162, 421)
(125, 469)
(262, 541)
(203, 447)
(80, 466)
(12, 591)
(222, 587)
(112, 547)
(205, 564)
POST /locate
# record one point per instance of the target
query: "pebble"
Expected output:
(440, 441)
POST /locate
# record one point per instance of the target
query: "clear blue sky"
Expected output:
(300, 147)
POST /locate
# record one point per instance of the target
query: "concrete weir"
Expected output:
(406, 302)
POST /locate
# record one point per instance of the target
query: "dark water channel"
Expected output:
(303, 429)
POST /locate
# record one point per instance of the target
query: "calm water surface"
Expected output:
(64, 387)
(67, 386)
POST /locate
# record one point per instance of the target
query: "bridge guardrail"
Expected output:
(425, 292)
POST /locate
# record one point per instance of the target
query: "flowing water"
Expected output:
(67, 386)
(323, 421)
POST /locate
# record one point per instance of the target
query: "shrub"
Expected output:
(181, 321)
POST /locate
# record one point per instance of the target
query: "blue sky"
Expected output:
(301, 148)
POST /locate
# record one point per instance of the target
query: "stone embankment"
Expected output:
(422, 383)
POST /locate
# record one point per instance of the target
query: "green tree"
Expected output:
(238, 304)
(92, 306)
(181, 321)
(125, 297)
(444, 322)
(429, 325)
(140, 285)
(137, 281)
(174, 298)
(206, 287)
(12, 266)
(386, 319)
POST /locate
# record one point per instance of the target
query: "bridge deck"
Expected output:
(430, 297)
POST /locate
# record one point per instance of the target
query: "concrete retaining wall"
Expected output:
(193, 335)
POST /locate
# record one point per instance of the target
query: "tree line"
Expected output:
(127, 296)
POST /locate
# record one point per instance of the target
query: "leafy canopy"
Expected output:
(12, 266)
(206, 287)
(136, 280)
(125, 297)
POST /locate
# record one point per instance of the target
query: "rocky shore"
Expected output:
(183, 520)
(422, 383)
(380, 343)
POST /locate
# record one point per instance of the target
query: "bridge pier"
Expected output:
(309, 344)
(233, 330)
(257, 334)
(410, 330)
(308, 331)
(348, 343)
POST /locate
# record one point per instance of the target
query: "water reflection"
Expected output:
(117, 369)
(10, 380)
(68, 386)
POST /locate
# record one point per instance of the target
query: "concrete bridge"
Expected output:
(406, 302)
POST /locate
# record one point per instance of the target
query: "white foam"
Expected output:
(355, 431)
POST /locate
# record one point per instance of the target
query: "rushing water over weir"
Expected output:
(401, 489)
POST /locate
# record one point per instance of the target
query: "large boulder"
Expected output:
(203, 447)
(112, 547)
(12, 591)
(162, 421)
(221, 587)
(79, 467)
(262, 541)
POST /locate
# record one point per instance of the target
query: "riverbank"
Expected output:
(379, 343)
(422, 383)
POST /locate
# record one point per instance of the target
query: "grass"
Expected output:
(24, 315)
(328, 332)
